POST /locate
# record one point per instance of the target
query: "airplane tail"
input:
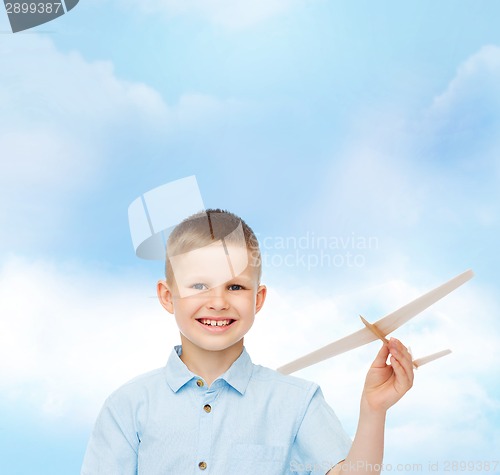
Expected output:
(427, 359)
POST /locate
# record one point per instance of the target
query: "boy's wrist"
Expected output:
(371, 412)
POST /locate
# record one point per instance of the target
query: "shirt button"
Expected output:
(202, 465)
(207, 407)
(200, 383)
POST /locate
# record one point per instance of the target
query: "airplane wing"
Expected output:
(395, 319)
(359, 338)
(386, 325)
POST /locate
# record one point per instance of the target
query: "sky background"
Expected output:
(371, 125)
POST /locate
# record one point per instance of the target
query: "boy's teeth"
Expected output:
(214, 323)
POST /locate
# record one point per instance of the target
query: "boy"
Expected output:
(210, 410)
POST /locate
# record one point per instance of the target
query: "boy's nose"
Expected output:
(217, 299)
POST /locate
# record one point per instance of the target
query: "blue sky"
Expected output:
(354, 120)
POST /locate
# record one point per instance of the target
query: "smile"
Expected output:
(215, 324)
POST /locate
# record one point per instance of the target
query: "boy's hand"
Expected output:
(387, 383)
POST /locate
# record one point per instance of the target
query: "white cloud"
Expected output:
(412, 178)
(66, 85)
(231, 14)
(71, 336)
(475, 90)
(59, 113)
(463, 123)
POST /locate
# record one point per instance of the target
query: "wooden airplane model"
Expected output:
(381, 328)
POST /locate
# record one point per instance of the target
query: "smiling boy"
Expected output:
(211, 410)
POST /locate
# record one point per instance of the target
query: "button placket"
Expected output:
(206, 398)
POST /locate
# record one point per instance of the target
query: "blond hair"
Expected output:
(207, 227)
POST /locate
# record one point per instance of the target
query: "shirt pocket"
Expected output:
(258, 458)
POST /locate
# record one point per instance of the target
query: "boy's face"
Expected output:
(215, 296)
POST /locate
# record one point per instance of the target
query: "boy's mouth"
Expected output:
(216, 323)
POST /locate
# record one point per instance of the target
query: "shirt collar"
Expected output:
(238, 375)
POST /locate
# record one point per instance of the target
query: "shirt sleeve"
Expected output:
(113, 445)
(321, 442)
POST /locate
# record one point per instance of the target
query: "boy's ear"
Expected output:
(260, 297)
(165, 296)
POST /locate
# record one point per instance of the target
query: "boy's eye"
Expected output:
(199, 286)
(235, 287)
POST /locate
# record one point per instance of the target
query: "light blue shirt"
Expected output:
(251, 420)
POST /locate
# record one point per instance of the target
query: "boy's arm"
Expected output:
(384, 386)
